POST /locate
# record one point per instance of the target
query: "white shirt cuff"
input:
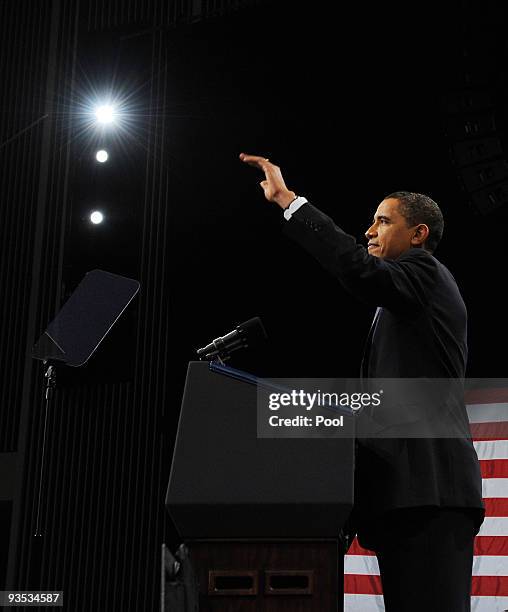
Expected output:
(294, 206)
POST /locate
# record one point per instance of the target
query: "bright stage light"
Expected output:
(101, 156)
(121, 115)
(105, 114)
(96, 217)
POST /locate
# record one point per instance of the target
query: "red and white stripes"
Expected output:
(488, 417)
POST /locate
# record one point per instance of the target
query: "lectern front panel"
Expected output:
(227, 482)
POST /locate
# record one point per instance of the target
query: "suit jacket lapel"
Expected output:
(368, 344)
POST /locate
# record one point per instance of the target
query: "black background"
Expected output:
(351, 104)
(351, 108)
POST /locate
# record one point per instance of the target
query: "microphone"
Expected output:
(250, 332)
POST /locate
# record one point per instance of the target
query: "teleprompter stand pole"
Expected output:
(71, 339)
(50, 384)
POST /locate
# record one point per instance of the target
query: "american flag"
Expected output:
(488, 417)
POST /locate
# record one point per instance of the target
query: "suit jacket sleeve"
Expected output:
(400, 285)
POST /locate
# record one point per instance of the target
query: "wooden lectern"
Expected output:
(261, 516)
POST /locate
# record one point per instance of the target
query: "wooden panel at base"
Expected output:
(308, 569)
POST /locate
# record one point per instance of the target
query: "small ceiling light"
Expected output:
(101, 156)
(96, 217)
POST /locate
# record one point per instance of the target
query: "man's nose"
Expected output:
(371, 232)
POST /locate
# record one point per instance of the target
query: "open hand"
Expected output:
(274, 187)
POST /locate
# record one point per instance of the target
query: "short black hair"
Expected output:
(418, 208)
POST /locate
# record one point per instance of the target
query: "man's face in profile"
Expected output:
(389, 236)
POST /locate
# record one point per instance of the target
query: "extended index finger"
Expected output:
(255, 160)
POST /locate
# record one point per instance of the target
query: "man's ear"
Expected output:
(420, 235)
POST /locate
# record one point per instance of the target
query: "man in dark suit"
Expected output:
(418, 500)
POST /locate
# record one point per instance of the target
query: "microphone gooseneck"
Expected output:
(246, 334)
